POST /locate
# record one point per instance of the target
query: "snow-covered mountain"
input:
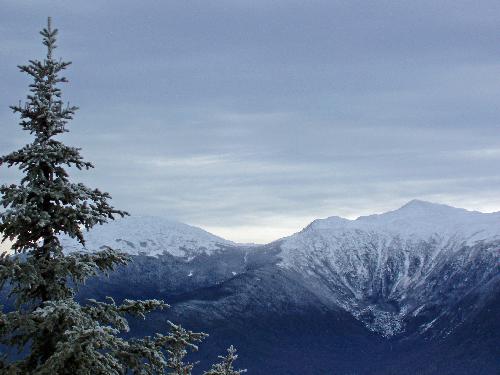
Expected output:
(385, 268)
(376, 295)
(150, 236)
(420, 219)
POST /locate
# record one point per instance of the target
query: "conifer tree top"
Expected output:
(45, 203)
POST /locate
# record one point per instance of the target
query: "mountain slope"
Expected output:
(386, 269)
(150, 236)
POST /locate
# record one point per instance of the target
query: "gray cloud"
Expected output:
(251, 118)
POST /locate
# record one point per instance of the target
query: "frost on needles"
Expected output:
(48, 331)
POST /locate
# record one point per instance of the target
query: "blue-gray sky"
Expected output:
(250, 118)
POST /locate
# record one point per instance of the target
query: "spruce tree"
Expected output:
(225, 366)
(52, 332)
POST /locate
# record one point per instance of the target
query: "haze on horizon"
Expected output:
(252, 118)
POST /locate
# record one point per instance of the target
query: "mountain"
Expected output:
(415, 290)
(150, 236)
(399, 266)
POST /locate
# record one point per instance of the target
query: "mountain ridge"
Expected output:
(342, 296)
(420, 218)
(201, 238)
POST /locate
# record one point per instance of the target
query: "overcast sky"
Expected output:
(251, 118)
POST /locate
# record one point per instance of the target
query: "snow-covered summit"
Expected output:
(150, 236)
(420, 219)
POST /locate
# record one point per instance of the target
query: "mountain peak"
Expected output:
(421, 205)
(150, 236)
(418, 219)
(417, 209)
(327, 222)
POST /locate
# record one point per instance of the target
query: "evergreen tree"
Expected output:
(53, 333)
(225, 366)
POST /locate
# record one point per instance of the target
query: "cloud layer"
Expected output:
(251, 118)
